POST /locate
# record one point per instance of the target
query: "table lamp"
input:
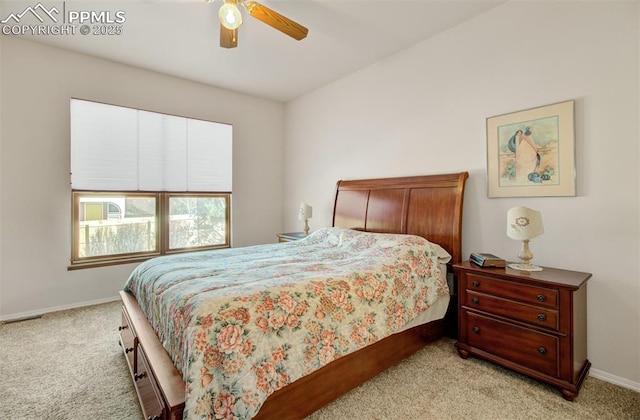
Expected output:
(305, 213)
(524, 224)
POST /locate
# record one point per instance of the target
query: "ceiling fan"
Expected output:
(231, 19)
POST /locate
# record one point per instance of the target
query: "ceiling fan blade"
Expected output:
(276, 20)
(228, 37)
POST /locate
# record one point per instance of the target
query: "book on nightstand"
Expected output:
(486, 260)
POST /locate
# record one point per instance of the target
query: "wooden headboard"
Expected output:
(429, 206)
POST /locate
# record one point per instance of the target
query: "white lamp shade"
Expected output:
(305, 211)
(524, 223)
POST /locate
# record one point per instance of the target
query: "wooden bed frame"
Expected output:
(429, 206)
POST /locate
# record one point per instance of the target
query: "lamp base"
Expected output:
(525, 267)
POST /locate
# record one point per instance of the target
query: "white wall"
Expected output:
(35, 219)
(1, 79)
(424, 110)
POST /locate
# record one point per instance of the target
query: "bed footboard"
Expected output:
(161, 390)
(314, 391)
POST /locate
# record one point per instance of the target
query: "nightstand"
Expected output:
(534, 323)
(291, 236)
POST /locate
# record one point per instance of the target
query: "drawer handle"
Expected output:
(475, 300)
(475, 283)
(542, 317)
(542, 351)
(476, 330)
(139, 376)
(541, 298)
(123, 327)
(128, 350)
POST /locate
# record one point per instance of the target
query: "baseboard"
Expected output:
(616, 380)
(31, 314)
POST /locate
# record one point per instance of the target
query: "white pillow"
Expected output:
(443, 256)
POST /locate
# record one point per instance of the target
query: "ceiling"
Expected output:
(181, 38)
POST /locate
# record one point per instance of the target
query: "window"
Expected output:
(197, 221)
(146, 184)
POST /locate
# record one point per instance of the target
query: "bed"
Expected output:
(428, 207)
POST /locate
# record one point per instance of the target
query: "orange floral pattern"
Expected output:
(242, 323)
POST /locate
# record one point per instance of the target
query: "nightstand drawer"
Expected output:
(291, 236)
(531, 294)
(523, 346)
(508, 308)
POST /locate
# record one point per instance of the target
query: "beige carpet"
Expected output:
(68, 365)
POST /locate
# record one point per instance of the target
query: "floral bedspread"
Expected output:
(244, 322)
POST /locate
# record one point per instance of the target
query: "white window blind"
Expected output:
(123, 149)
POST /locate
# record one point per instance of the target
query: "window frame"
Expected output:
(162, 219)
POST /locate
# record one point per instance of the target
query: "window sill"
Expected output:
(137, 259)
(106, 263)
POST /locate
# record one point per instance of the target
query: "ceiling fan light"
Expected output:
(230, 16)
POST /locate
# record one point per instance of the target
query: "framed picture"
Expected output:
(531, 153)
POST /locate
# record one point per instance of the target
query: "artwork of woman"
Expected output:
(527, 156)
(524, 156)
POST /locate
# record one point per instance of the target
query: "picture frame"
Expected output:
(531, 153)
